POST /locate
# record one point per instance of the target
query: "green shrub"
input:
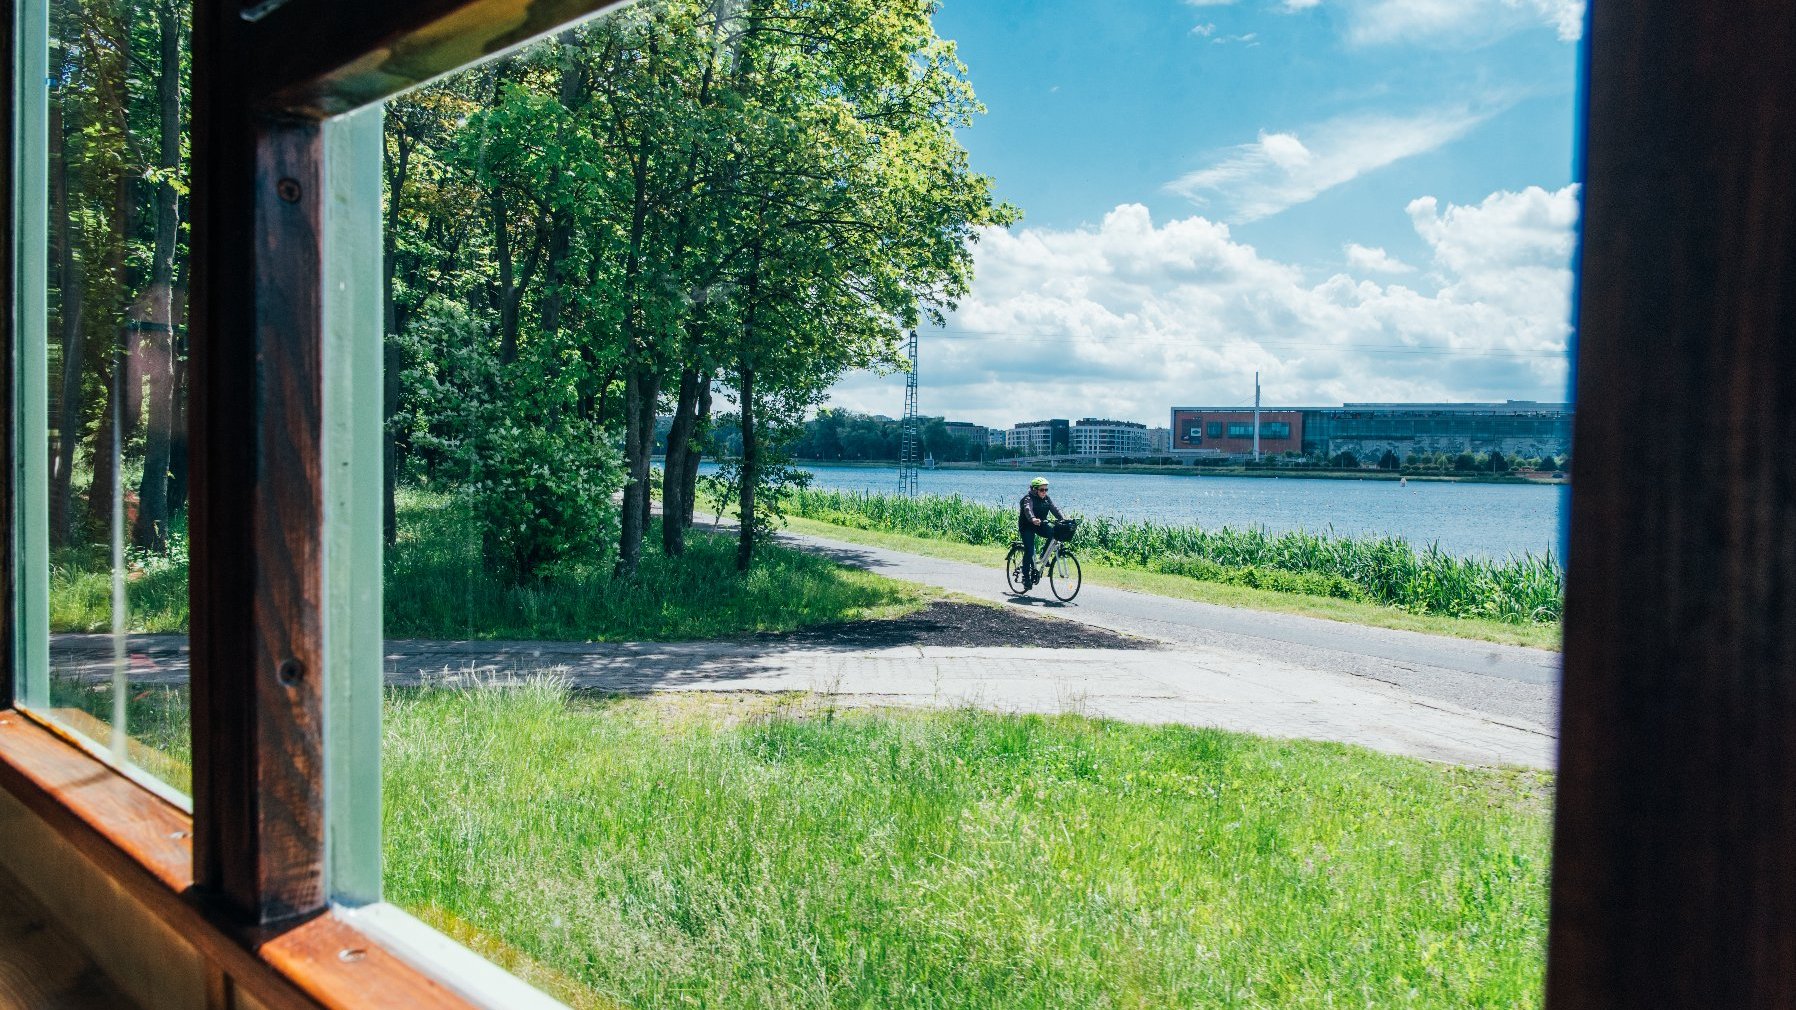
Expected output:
(544, 495)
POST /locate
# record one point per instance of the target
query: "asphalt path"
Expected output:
(1503, 681)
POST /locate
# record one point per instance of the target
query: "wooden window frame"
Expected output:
(1673, 881)
(274, 877)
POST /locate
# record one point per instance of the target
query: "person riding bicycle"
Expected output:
(1032, 513)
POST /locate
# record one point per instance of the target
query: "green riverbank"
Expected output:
(1375, 581)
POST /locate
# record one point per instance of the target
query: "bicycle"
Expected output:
(1058, 563)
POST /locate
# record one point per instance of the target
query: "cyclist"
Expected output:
(1032, 512)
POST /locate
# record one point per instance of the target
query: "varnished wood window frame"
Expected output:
(1674, 882)
(247, 877)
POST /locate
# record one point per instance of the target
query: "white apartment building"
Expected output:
(1097, 436)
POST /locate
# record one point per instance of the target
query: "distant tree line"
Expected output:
(843, 436)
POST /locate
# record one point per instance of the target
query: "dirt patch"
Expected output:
(965, 625)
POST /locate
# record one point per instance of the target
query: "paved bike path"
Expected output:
(1504, 681)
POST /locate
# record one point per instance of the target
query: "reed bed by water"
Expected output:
(1386, 570)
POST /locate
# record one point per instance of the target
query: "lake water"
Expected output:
(1490, 520)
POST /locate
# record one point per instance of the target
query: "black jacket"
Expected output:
(1032, 507)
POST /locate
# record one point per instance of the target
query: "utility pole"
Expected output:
(910, 432)
(1256, 417)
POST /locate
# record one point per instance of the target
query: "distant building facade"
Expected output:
(1369, 430)
(1041, 438)
(978, 434)
(1228, 431)
(1514, 428)
(1098, 436)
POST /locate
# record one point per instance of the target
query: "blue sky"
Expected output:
(1362, 199)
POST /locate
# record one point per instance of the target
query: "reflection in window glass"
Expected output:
(629, 254)
(116, 337)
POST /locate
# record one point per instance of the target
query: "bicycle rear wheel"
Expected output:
(1013, 570)
(1064, 576)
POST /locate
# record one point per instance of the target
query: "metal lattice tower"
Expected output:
(910, 448)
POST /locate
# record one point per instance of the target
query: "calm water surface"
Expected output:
(1491, 520)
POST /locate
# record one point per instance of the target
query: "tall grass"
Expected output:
(754, 852)
(438, 585)
(1385, 570)
(766, 853)
(155, 587)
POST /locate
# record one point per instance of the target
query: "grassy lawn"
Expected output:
(774, 852)
(438, 586)
(1539, 636)
(757, 852)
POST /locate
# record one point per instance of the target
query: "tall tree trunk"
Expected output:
(398, 174)
(647, 411)
(673, 473)
(72, 406)
(177, 443)
(629, 545)
(151, 528)
(694, 453)
(113, 364)
(641, 391)
(155, 353)
(750, 473)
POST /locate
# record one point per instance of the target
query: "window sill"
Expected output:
(365, 957)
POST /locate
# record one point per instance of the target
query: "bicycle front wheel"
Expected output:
(1013, 571)
(1063, 577)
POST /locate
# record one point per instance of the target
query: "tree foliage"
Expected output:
(680, 200)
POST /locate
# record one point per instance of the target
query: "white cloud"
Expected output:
(1204, 30)
(1281, 170)
(1459, 22)
(1129, 317)
(1293, 6)
(1375, 260)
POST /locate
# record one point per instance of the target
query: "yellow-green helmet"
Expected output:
(1039, 482)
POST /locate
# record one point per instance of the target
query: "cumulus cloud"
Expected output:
(1458, 22)
(1131, 316)
(1376, 260)
(1281, 170)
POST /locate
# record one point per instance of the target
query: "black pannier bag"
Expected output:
(1065, 528)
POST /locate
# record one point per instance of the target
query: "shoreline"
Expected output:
(1152, 469)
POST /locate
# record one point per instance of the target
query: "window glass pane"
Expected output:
(615, 760)
(114, 372)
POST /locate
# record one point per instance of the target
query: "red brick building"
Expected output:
(1230, 432)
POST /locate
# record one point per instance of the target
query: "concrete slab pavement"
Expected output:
(1195, 686)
